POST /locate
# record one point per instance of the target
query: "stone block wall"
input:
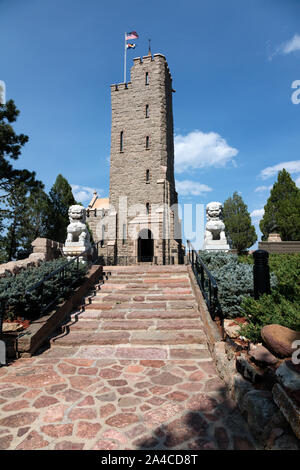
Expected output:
(280, 247)
(43, 250)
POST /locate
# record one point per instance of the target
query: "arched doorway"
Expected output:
(145, 246)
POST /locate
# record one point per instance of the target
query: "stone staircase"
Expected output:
(139, 307)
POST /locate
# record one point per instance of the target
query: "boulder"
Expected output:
(279, 339)
(262, 414)
(261, 355)
(288, 407)
(288, 376)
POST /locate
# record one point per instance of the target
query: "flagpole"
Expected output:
(125, 53)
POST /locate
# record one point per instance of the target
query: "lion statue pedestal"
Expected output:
(78, 237)
(215, 238)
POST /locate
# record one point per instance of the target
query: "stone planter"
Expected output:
(28, 341)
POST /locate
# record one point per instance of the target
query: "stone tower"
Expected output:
(142, 221)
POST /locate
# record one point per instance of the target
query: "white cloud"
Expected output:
(291, 45)
(188, 187)
(257, 214)
(291, 167)
(297, 181)
(261, 189)
(287, 47)
(199, 149)
(83, 193)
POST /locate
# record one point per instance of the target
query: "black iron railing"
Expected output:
(90, 256)
(206, 282)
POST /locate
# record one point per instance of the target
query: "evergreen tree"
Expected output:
(37, 218)
(61, 198)
(15, 215)
(238, 227)
(282, 211)
(10, 148)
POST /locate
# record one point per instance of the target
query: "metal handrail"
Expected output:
(61, 270)
(205, 279)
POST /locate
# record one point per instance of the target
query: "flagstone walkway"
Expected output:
(122, 396)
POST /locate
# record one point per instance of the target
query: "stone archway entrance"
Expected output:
(145, 246)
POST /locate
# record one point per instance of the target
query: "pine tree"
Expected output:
(38, 218)
(61, 198)
(10, 148)
(238, 227)
(282, 211)
(16, 213)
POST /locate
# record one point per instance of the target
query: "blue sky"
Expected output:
(233, 64)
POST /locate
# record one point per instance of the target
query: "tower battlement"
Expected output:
(155, 64)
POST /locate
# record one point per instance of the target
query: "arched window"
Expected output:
(147, 142)
(147, 79)
(147, 176)
(147, 208)
(121, 141)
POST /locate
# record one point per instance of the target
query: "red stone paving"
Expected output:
(158, 408)
(107, 393)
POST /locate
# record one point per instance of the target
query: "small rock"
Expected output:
(263, 415)
(288, 377)
(231, 329)
(11, 326)
(248, 370)
(261, 354)
(288, 407)
(279, 339)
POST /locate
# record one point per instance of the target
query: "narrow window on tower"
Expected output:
(147, 79)
(147, 208)
(124, 234)
(147, 111)
(121, 141)
(147, 142)
(147, 176)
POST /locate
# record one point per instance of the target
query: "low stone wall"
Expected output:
(280, 247)
(39, 330)
(43, 250)
(272, 416)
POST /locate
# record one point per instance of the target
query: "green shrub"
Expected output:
(13, 288)
(286, 267)
(283, 305)
(234, 279)
(268, 309)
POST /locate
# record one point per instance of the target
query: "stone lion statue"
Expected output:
(215, 227)
(77, 231)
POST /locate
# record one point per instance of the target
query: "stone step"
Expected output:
(163, 314)
(107, 288)
(140, 297)
(109, 337)
(168, 337)
(157, 352)
(145, 269)
(141, 306)
(133, 324)
(94, 314)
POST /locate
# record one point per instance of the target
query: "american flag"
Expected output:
(132, 35)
